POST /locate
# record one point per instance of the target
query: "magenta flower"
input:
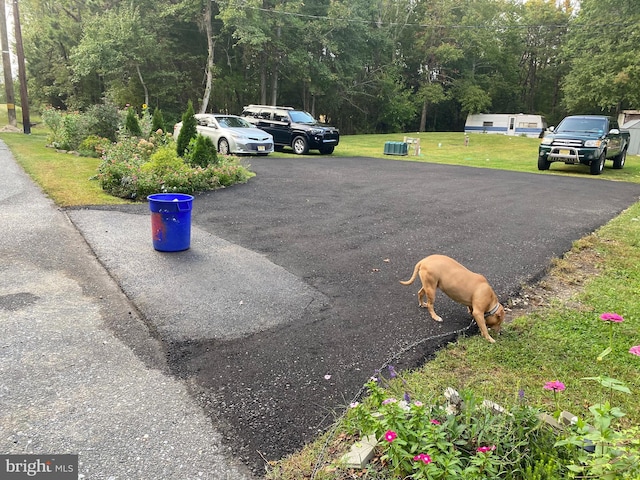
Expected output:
(423, 457)
(435, 422)
(486, 449)
(556, 386)
(611, 317)
(390, 436)
(635, 350)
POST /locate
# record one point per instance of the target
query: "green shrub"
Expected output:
(134, 168)
(105, 120)
(93, 146)
(52, 118)
(163, 162)
(201, 152)
(188, 130)
(131, 125)
(157, 121)
(75, 128)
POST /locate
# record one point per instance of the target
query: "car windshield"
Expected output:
(233, 122)
(593, 125)
(301, 117)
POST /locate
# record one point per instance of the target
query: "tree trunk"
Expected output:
(144, 85)
(6, 62)
(274, 83)
(423, 117)
(210, 49)
(263, 80)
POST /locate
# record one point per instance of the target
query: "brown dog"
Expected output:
(461, 285)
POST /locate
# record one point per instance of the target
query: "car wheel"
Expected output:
(300, 145)
(543, 164)
(223, 146)
(597, 166)
(327, 150)
(618, 160)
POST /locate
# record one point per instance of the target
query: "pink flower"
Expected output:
(390, 436)
(435, 422)
(423, 457)
(556, 386)
(611, 317)
(389, 400)
(486, 449)
(635, 350)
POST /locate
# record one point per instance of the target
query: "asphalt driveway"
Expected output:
(306, 258)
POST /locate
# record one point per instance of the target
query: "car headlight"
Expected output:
(316, 131)
(238, 136)
(547, 141)
(593, 143)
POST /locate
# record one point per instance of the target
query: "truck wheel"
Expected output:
(618, 160)
(543, 164)
(300, 145)
(327, 150)
(597, 166)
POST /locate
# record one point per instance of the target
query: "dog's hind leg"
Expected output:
(421, 295)
(430, 293)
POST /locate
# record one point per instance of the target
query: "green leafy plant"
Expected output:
(132, 125)
(105, 120)
(157, 121)
(605, 451)
(201, 152)
(133, 168)
(93, 146)
(467, 440)
(188, 130)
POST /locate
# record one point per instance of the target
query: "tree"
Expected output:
(131, 123)
(542, 66)
(115, 46)
(188, 130)
(157, 120)
(604, 70)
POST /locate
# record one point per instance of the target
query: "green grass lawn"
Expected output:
(556, 342)
(485, 151)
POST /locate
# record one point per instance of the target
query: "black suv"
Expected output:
(293, 128)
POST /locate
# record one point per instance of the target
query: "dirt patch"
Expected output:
(565, 279)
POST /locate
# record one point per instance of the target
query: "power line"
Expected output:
(437, 26)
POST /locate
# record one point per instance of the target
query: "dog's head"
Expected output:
(494, 321)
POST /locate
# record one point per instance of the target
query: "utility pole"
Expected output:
(6, 66)
(22, 73)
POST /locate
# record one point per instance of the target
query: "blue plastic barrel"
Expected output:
(170, 221)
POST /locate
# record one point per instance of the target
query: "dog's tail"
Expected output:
(413, 277)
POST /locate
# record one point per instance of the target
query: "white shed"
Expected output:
(634, 130)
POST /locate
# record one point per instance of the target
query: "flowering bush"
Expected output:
(436, 441)
(134, 168)
(467, 440)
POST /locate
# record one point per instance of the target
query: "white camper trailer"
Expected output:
(506, 124)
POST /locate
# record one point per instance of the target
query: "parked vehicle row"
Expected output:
(263, 128)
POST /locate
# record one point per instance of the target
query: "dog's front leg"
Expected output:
(479, 317)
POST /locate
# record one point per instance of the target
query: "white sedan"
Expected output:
(231, 134)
